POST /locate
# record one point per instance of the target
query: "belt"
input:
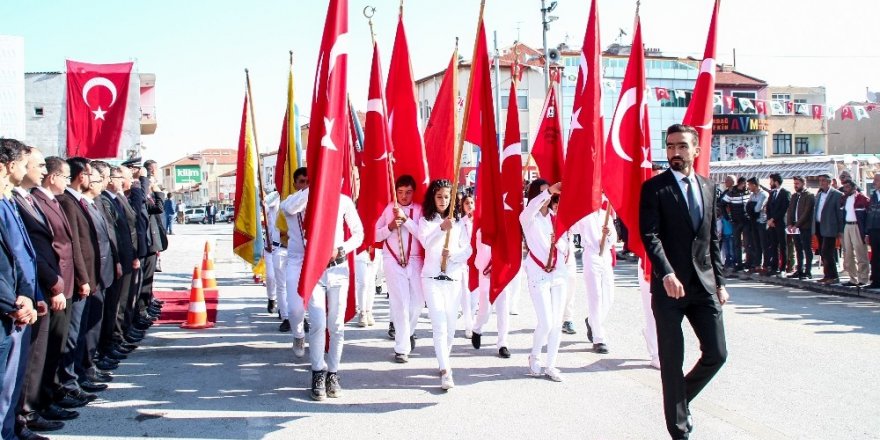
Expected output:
(852, 223)
(334, 263)
(442, 277)
(277, 244)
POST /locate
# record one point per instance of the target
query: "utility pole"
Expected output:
(498, 89)
(545, 21)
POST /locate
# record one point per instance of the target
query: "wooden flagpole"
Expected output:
(260, 192)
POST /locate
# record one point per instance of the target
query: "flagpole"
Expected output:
(262, 194)
(604, 233)
(467, 112)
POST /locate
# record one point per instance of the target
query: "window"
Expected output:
(802, 145)
(800, 107)
(780, 97)
(522, 100)
(524, 137)
(38, 112)
(781, 144)
(663, 138)
(747, 95)
(719, 107)
(167, 172)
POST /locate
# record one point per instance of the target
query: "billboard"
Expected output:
(187, 174)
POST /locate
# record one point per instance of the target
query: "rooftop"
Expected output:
(222, 156)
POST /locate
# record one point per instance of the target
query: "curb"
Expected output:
(837, 289)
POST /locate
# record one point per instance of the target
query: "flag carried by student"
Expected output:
(289, 153)
(440, 131)
(247, 238)
(547, 149)
(699, 112)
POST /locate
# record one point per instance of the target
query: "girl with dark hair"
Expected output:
(468, 298)
(547, 271)
(442, 288)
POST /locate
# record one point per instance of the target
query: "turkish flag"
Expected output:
(403, 116)
(506, 250)
(628, 150)
(789, 107)
(729, 102)
(96, 101)
(817, 111)
(846, 112)
(662, 93)
(761, 107)
(328, 142)
(700, 111)
(440, 131)
(582, 176)
(375, 176)
(547, 149)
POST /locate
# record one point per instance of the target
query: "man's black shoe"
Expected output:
(120, 349)
(35, 422)
(306, 325)
(272, 306)
(504, 352)
(113, 354)
(69, 401)
(874, 285)
(99, 378)
(132, 339)
(82, 395)
(476, 339)
(92, 387)
(806, 276)
(319, 385)
(600, 348)
(285, 326)
(107, 360)
(391, 331)
(105, 365)
(795, 275)
(55, 412)
(26, 434)
(589, 330)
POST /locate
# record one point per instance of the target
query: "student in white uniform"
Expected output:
(397, 229)
(272, 201)
(443, 287)
(483, 264)
(547, 282)
(366, 269)
(295, 254)
(469, 298)
(598, 273)
(650, 331)
(328, 301)
(276, 261)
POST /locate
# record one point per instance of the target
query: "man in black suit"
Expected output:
(58, 174)
(137, 221)
(777, 206)
(677, 217)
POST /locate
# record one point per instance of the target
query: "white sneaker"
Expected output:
(299, 347)
(370, 320)
(553, 374)
(446, 382)
(655, 362)
(468, 334)
(362, 319)
(534, 366)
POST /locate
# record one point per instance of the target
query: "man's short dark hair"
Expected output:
(753, 180)
(776, 177)
(405, 180)
(115, 169)
(11, 150)
(54, 164)
(850, 183)
(681, 128)
(300, 172)
(77, 166)
(799, 179)
(99, 165)
(740, 180)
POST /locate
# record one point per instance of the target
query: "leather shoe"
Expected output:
(285, 326)
(504, 352)
(99, 378)
(113, 354)
(82, 395)
(69, 401)
(106, 366)
(40, 424)
(127, 346)
(476, 340)
(92, 387)
(120, 349)
(132, 339)
(55, 412)
(27, 434)
(108, 360)
(600, 348)
(272, 306)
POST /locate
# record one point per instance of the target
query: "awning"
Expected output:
(786, 170)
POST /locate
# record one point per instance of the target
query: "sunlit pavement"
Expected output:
(801, 365)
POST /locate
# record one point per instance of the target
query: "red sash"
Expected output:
(408, 247)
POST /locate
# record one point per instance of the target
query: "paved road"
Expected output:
(802, 365)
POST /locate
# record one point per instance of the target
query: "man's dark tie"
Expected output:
(693, 209)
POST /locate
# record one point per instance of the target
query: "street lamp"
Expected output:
(545, 21)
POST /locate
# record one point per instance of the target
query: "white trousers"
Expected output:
(279, 274)
(599, 282)
(296, 312)
(469, 301)
(406, 299)
(443, 301)
(548, 296)
(365, 271)
(327, 311)
(271, 290)
(502, 311)
(568, 311)
(516, 290)
(650, 325)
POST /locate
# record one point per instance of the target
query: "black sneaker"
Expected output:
(476, 339)
(412, 342)
(319, 385)
(285, 326)
(589, 330)
(272, 306)
(391, 331)
(504, 352)
(334, 390)
(305, 325)
(568, 328)
(600, 348)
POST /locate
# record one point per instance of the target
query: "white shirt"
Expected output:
(698, 194)
(590, 230)
(851, 208)
(433, 239)
(821, 197)
(538, 229)
(296, 204)
(273, 200)
(47, 193)
(293, 210)
(409, 232)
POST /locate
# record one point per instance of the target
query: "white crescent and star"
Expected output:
(707, 67)
(627, 100)
(327, 140)
(99, 81)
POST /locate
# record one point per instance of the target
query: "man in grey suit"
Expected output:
(829, 226)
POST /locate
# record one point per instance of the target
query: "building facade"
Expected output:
(794, 130)
(198, 173)
(853, 136)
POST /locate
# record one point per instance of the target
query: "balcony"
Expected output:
(148, 120)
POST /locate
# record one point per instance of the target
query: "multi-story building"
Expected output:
(739, 131)
(198, 172)
(853, 136)
(795, 131)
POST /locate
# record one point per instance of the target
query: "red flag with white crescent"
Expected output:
(547, 150)
(96, 102)
(700, 110)
(509, 255)
(440, 131)
(628, 149)
(328, 140)
(582, 175)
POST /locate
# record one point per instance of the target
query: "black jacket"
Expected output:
(778, 206)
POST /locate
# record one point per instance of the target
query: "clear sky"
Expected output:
(198, 49)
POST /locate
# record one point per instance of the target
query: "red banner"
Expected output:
(96, 101)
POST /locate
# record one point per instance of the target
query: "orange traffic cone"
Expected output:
(209, 281)
(197, 316)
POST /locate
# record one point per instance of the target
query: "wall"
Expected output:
(12, 113)
(49, 132)
(854, 137)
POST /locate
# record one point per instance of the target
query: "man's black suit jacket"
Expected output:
(778, 206)
(671, 244)
(41, 235)
(85, 242)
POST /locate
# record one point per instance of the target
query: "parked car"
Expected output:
(225, 214)
(195, 215)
